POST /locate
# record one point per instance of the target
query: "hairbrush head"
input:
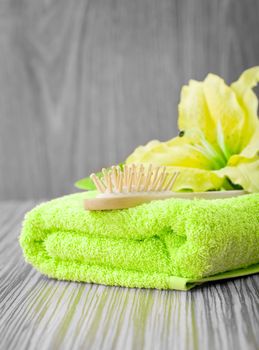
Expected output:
(134, 178)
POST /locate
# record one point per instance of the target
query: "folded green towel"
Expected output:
(169, 244)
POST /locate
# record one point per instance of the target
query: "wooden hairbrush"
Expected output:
(134, 185)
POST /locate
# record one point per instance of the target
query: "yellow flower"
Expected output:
(219, 138)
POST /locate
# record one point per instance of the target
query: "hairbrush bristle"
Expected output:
(134, 178)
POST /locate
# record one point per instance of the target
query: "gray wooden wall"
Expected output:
(84, 82)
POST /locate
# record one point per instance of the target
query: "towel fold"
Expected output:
(169, 244)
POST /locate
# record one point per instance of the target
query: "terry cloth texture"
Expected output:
(168, 244)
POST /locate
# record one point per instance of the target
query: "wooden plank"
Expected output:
(41, 313)
(83, 83)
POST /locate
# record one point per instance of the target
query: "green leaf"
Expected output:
(86, 183)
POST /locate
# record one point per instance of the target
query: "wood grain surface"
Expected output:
(41, 313)
(84, 82)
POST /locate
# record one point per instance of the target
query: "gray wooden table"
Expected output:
(41, 313)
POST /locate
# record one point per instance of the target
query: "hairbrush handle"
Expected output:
(113, 201)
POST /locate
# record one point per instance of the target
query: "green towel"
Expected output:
(168, 244)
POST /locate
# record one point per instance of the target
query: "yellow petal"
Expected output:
(227, 114)
(194, 113)
(245, 173)
(196, 180)
(178, 151)
(139, 152)
(250, 151)
(243, 168)
(248, 100)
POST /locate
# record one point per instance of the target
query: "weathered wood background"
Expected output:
(84, 82)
